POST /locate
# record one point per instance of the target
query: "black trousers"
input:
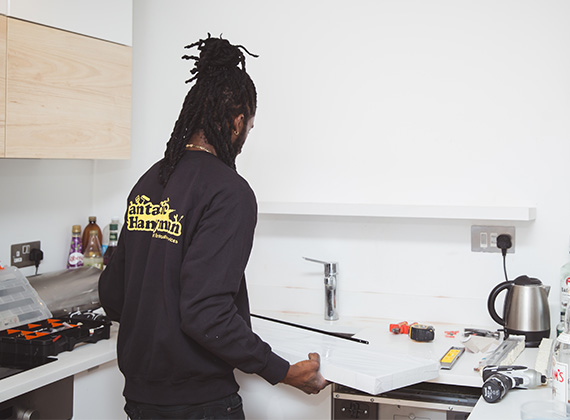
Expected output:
(228, 408)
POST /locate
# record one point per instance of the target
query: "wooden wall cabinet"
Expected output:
(68, 96)
(111, 20)
(2, 84)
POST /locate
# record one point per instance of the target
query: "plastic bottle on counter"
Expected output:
(564, 294)
(559, 362)
(93, 256)
(113, 241)
(107, 232)
(75, 257)
(91, 226)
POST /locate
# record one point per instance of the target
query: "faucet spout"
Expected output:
(330, 282)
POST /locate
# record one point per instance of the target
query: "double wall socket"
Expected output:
(484, 238)
(20, 253)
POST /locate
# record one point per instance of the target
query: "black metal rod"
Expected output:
(338, 335)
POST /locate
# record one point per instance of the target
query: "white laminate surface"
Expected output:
(83, 357)
(364, 367)
(381, 340)
(383, 343)
(509, 408)
(344, 362)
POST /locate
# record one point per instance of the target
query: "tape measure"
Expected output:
(423, 333)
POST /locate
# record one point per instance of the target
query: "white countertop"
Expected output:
(83, 357)
(295, 348)
(376, 331)
(383, 342)
(366, 367)
(509, 408)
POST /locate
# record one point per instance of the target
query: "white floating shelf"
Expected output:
(503, 213)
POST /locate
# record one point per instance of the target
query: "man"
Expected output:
(176, 281)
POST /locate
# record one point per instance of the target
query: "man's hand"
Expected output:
(305, 375)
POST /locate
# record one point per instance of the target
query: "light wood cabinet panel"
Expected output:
(67, 95)
(111, 20)
(2, 84)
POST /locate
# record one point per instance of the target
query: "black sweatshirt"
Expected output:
(176, 284)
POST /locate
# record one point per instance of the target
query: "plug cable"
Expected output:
(36, 255)
(504, 242)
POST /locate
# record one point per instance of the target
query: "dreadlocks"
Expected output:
(222, 91)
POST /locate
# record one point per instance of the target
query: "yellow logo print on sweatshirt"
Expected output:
(159, 219)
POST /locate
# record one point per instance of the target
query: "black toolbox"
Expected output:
(37, 342)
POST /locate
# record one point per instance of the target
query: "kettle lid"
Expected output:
(527, 281)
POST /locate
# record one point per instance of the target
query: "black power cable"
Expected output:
(36, 255)
(504, 242)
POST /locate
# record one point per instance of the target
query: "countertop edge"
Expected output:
(90, 355)
(82, 358)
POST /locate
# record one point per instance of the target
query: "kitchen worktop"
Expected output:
(292, 343)
(83, 357)
(366, 367)
(382, 341)
(376, 331)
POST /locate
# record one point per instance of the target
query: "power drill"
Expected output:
(498, 380)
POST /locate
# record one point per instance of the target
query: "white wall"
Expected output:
(438, 102)
(42, 199)
(407, 102)
(413, 102)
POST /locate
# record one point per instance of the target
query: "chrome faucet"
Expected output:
(331, 313)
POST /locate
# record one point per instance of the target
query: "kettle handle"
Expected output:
(491, 301)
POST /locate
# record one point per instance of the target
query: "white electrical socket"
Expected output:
(484, 238)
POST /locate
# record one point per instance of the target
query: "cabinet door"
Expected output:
(111, 20)
(263, 401)
(67, 95)
(2, 84)
(98, 393)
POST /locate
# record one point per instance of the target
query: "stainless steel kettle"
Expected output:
(525, 311)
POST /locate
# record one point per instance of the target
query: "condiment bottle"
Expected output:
(75, 257)
(107, 230)
(113, 241)
(93, 257)
(559, 362)
(91, 226)
(564, 294)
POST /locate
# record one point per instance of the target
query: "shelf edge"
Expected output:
(503, 213)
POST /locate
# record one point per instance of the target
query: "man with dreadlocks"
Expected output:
(176, 281)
